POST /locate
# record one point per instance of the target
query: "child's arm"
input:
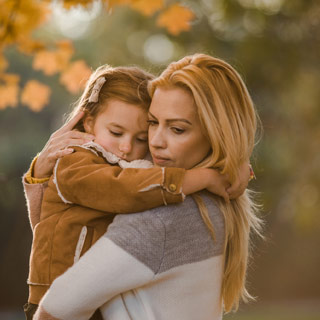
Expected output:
(33, 191)
(85, 179)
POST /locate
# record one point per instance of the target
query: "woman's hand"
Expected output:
(57, 146)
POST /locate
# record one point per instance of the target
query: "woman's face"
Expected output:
(175, 135)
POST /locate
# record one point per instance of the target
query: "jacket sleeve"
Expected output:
(85, 179)
(33, 192)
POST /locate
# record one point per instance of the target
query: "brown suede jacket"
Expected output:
(85, 192)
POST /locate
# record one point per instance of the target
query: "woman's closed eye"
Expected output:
(177, 130)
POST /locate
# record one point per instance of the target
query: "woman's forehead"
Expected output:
(172, 102)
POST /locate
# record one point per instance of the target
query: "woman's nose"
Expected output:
(157, 138)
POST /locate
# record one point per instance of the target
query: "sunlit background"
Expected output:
(275, 46)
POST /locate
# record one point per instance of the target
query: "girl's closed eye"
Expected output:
(115, 133)
(142, 139)
(152, 122)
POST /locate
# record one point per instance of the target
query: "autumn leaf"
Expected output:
(75, 76)
(147, 7)
(176, 19)
(20, 18)
(67, 4)
(9, 90)
(51, 62)
(3, 63)
(46, 61)
(30, 46)
(35, 95)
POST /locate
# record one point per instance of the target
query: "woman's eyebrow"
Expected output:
(173, 120)
(151, 115)
(178, 119)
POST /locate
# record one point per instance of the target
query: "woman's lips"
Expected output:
(159, 160)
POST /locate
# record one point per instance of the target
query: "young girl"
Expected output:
(105, 177)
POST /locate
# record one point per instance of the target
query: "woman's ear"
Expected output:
(88, 124)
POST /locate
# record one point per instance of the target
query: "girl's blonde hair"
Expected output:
(229, 120)
(128, 84)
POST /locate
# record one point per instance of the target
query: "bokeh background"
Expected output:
(275, 45)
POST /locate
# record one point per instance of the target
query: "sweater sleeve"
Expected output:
(103, 272)
(85, 179)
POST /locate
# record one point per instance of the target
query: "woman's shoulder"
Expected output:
(155, 236)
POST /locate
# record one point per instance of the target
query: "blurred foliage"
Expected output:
(19, 19)
(274, 44)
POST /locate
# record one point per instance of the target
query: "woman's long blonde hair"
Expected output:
(229, 121)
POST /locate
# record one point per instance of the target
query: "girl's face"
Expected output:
(175, 135)
(121, 128)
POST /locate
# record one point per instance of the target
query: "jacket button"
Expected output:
(172, 187)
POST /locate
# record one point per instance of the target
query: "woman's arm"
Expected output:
(109, 268)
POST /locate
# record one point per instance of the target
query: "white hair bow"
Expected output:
(94, 97)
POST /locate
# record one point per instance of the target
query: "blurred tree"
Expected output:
(274, 44)
(18, 21)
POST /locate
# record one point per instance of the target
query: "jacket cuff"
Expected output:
(28, 177)
(172, 185)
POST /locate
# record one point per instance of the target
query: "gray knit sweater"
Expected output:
(161, 264)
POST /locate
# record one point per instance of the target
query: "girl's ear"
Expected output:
(88, 124)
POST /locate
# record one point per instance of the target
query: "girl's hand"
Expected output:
(218, 184)
(57, 146)
(240, 184)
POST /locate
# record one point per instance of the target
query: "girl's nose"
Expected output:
(125, 147)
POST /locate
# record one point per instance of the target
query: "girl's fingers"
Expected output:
(61, 153)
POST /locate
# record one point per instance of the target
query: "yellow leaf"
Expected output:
(75, 3)
(35, 95)
(29, 46)
(64, 52)
(9, 90)
(20, 19)
(46, 61)
(75, 76)
(147, 7)
(176, 19)
(51, 62)
(3, 63)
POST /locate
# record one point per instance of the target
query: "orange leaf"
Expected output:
(67, 4)
(75, 76)
(46, 61)
(176, 19)
(9, 90)
(3, 63)
(147, 7)
(51, 62)
(35, 95)
(27, 45)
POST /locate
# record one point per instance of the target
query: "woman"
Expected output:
(175, 264)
